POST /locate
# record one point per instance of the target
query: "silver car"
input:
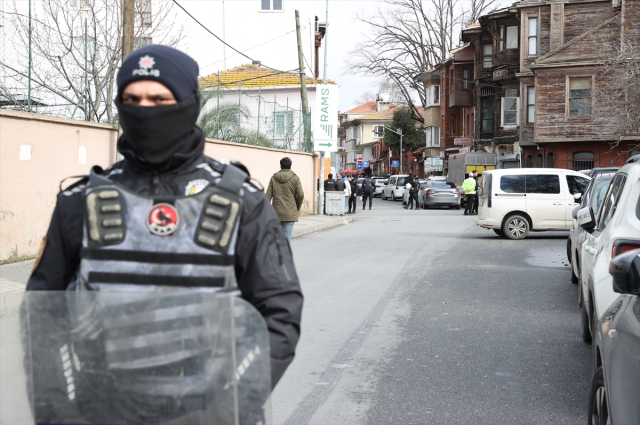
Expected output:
(439, 194)
(379, 182)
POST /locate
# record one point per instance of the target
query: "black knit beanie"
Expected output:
(164, 64)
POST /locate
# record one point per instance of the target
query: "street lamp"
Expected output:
(399, 133)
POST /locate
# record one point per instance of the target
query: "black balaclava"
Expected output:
(160, 137)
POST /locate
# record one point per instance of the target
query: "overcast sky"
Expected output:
(344, 34)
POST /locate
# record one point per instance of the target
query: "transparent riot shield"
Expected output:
(139, 358)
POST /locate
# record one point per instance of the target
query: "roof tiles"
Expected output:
(255, 76)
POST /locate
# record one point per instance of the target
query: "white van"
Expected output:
(394, 189)
(515, 201)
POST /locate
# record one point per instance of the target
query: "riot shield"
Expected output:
(139, 358)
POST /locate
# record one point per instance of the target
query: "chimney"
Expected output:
(256, 63)
(382, 102)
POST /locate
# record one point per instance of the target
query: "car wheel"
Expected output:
(574, 278)
(384, 198)
(393, 196)
(450, 207)
(598, 405)
(457, 207)
(516, 227)
(579, 294)
(569, 250)
(499, 232)
(586, 332)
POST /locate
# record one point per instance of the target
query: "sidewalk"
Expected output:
(313, 223)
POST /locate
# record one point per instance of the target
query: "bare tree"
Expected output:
(58, 51)
(387, 87)
(409, 37)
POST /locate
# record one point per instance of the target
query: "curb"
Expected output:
(304, 230)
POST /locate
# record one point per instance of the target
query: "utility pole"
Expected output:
(324, 81)
(303, 78)
(29, 88)
(399, 133)
(224, 38)
(128, 23)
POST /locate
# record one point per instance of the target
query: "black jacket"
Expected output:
(354, 187)
(340, 185)
(368, 185)
(329, 185)
(262, 250)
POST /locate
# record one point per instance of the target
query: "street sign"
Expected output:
(463, 150)
(462, 141)
(365, 163)
(359, 166)
(395, 163)
(360, 160)
(325, 118)
(436, 162)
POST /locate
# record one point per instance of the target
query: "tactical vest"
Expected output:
(169, 241)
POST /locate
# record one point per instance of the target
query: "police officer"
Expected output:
(166, 202)
(413, 191)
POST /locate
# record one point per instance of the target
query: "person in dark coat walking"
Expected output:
(158, 101)
(368, 187)
(354, 194)
(413, 191)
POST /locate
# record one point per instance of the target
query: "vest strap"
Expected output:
(96, 179)
(156, 257)
(232, 179)
(160, 280)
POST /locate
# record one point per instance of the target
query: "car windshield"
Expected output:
(443, 185)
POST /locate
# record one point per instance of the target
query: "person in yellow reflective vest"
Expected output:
(469, 188)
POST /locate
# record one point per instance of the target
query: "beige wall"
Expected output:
(28, 187)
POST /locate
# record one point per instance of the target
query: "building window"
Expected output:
(487, 56)
(549, 163)
(284, 123)
(139, 42)
(271, 5)
(579, 97)
(452, 124)
(143, 12)
(487, 114)
(510, 112)
(529, 162)
(378, 131)
(465, 78)
(78, 4)
(583, 161)
(433, 136)
(78, 44)
(433, 95)
(531, 105)
(538, 163)
(508, 38)
(533, 36)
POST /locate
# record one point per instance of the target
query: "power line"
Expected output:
(219, 39)
(254, 78)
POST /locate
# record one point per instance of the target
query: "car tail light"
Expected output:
(622, 247)
(430, 192)
(455, 192)
(396, 186)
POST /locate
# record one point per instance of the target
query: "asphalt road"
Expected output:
(421, 317)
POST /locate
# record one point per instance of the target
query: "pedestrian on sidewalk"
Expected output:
(469, 188)
(368, 187)
(340, 186)
(414, 185)
(347, 191)
(330, 184)
(286, 195)
(353, 184)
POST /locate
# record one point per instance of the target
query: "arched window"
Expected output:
(549, 163)
(583, 161)
(529, 162)
(538, 163)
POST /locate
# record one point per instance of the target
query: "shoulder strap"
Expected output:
(95, 179)
(232, 179)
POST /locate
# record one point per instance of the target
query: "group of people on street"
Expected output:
(469, 188)
(349, 185)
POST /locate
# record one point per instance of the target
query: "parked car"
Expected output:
(439, 194)
(405, 195)
(394, 189)
(514, 202)
(593, 196)
(437, 178)
(615, 387)
(380, 182)
(613, 231)
(592, 172)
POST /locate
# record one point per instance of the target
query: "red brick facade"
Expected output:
(562, 155)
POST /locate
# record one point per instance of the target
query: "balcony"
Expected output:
(504, 74)
(509, 57)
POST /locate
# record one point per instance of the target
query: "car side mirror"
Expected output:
(577, 196)
(586, 220)
(625, 269)
(574, 213)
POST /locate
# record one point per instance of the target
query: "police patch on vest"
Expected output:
(195, 186)
(163, 219)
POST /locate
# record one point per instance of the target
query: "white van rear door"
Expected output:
(575, 184)
(546, 203)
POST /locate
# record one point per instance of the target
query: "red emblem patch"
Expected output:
(163, 219)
